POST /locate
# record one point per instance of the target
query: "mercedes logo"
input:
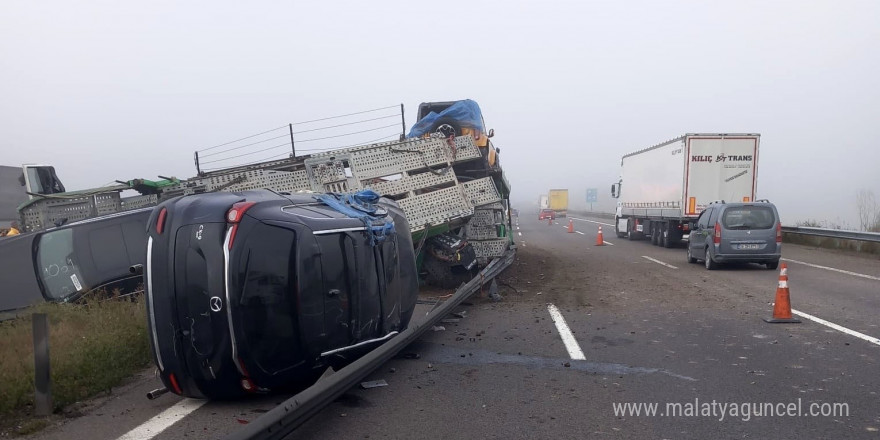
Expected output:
(216, 303)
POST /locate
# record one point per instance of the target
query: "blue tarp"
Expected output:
(466, 113)
(362, 205)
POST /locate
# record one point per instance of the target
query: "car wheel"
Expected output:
(773, 265)
(710, 265)
(691, 258)
(447, 126)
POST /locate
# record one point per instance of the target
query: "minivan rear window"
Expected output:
(748, 217)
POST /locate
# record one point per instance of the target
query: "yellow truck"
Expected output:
(559, 201)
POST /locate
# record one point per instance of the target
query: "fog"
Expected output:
(118, 90)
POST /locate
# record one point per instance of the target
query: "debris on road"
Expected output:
(438, 328)
(374, 384)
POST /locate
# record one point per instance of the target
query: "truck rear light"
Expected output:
(778, 232)
(160, 222)
(717, 238)
(234, 216)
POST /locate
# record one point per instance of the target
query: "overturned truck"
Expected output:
(445, 174)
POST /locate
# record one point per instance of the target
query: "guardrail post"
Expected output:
(42, 380)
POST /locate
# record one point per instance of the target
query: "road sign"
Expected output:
(592, 196)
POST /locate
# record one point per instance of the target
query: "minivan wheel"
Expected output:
(710, 265)
(691, 258)
(773, 265)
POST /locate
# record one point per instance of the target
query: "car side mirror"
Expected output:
(491, 132)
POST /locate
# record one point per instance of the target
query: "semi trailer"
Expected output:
(665, 187)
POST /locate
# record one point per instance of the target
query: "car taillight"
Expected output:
(717, 238)
(174, 385)
(160, 223)
(246, 383)
(234, 216)
(779, 232)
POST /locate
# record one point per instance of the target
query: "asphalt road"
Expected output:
(642, 331)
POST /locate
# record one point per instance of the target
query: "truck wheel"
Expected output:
(710, 265)
(442, 275)
(655, 237)
(667, 238)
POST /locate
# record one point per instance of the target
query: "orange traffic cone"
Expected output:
(570, 226)
(599, 240)
(782, 307)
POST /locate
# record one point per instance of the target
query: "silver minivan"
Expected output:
(737, 232)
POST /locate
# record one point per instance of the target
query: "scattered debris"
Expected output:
(374, 384)
(493, 291)
(450, 321)
(242, 421)
(392, 370)
(410, 355)
(462, 314)
(567, 364)
(438, 328)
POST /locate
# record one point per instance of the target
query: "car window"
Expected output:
(57, 264)
(748, 217)
(703, 220)
(268, 297)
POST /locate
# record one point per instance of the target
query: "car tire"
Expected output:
(691, 258)
(710, 265)
(447, 126)
(773, 265)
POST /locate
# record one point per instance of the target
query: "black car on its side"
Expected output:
(261, 291)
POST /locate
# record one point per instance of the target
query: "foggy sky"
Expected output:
(118, 90)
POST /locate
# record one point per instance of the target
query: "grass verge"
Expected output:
(92, 348)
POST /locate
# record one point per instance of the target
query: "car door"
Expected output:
(700, 234)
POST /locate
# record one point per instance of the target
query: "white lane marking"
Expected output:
(579, 232)
(839, 328)
(608, 243)
(659, 262)
(161, 422)
(574, 350)
(870, 277)
(591, 221)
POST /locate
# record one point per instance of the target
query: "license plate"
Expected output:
(745, 247)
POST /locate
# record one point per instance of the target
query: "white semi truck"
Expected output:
(663, 188)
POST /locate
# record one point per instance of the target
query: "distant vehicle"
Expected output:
(65, 263)
(559, 201)
(737, 232)
(544, 202)
(663, 188)
(547, 214)
(259, 291)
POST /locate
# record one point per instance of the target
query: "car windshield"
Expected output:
(748, 217)
(59, 273)
(268, 297)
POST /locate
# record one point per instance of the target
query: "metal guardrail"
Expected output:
(873, 237)
(282, 420)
